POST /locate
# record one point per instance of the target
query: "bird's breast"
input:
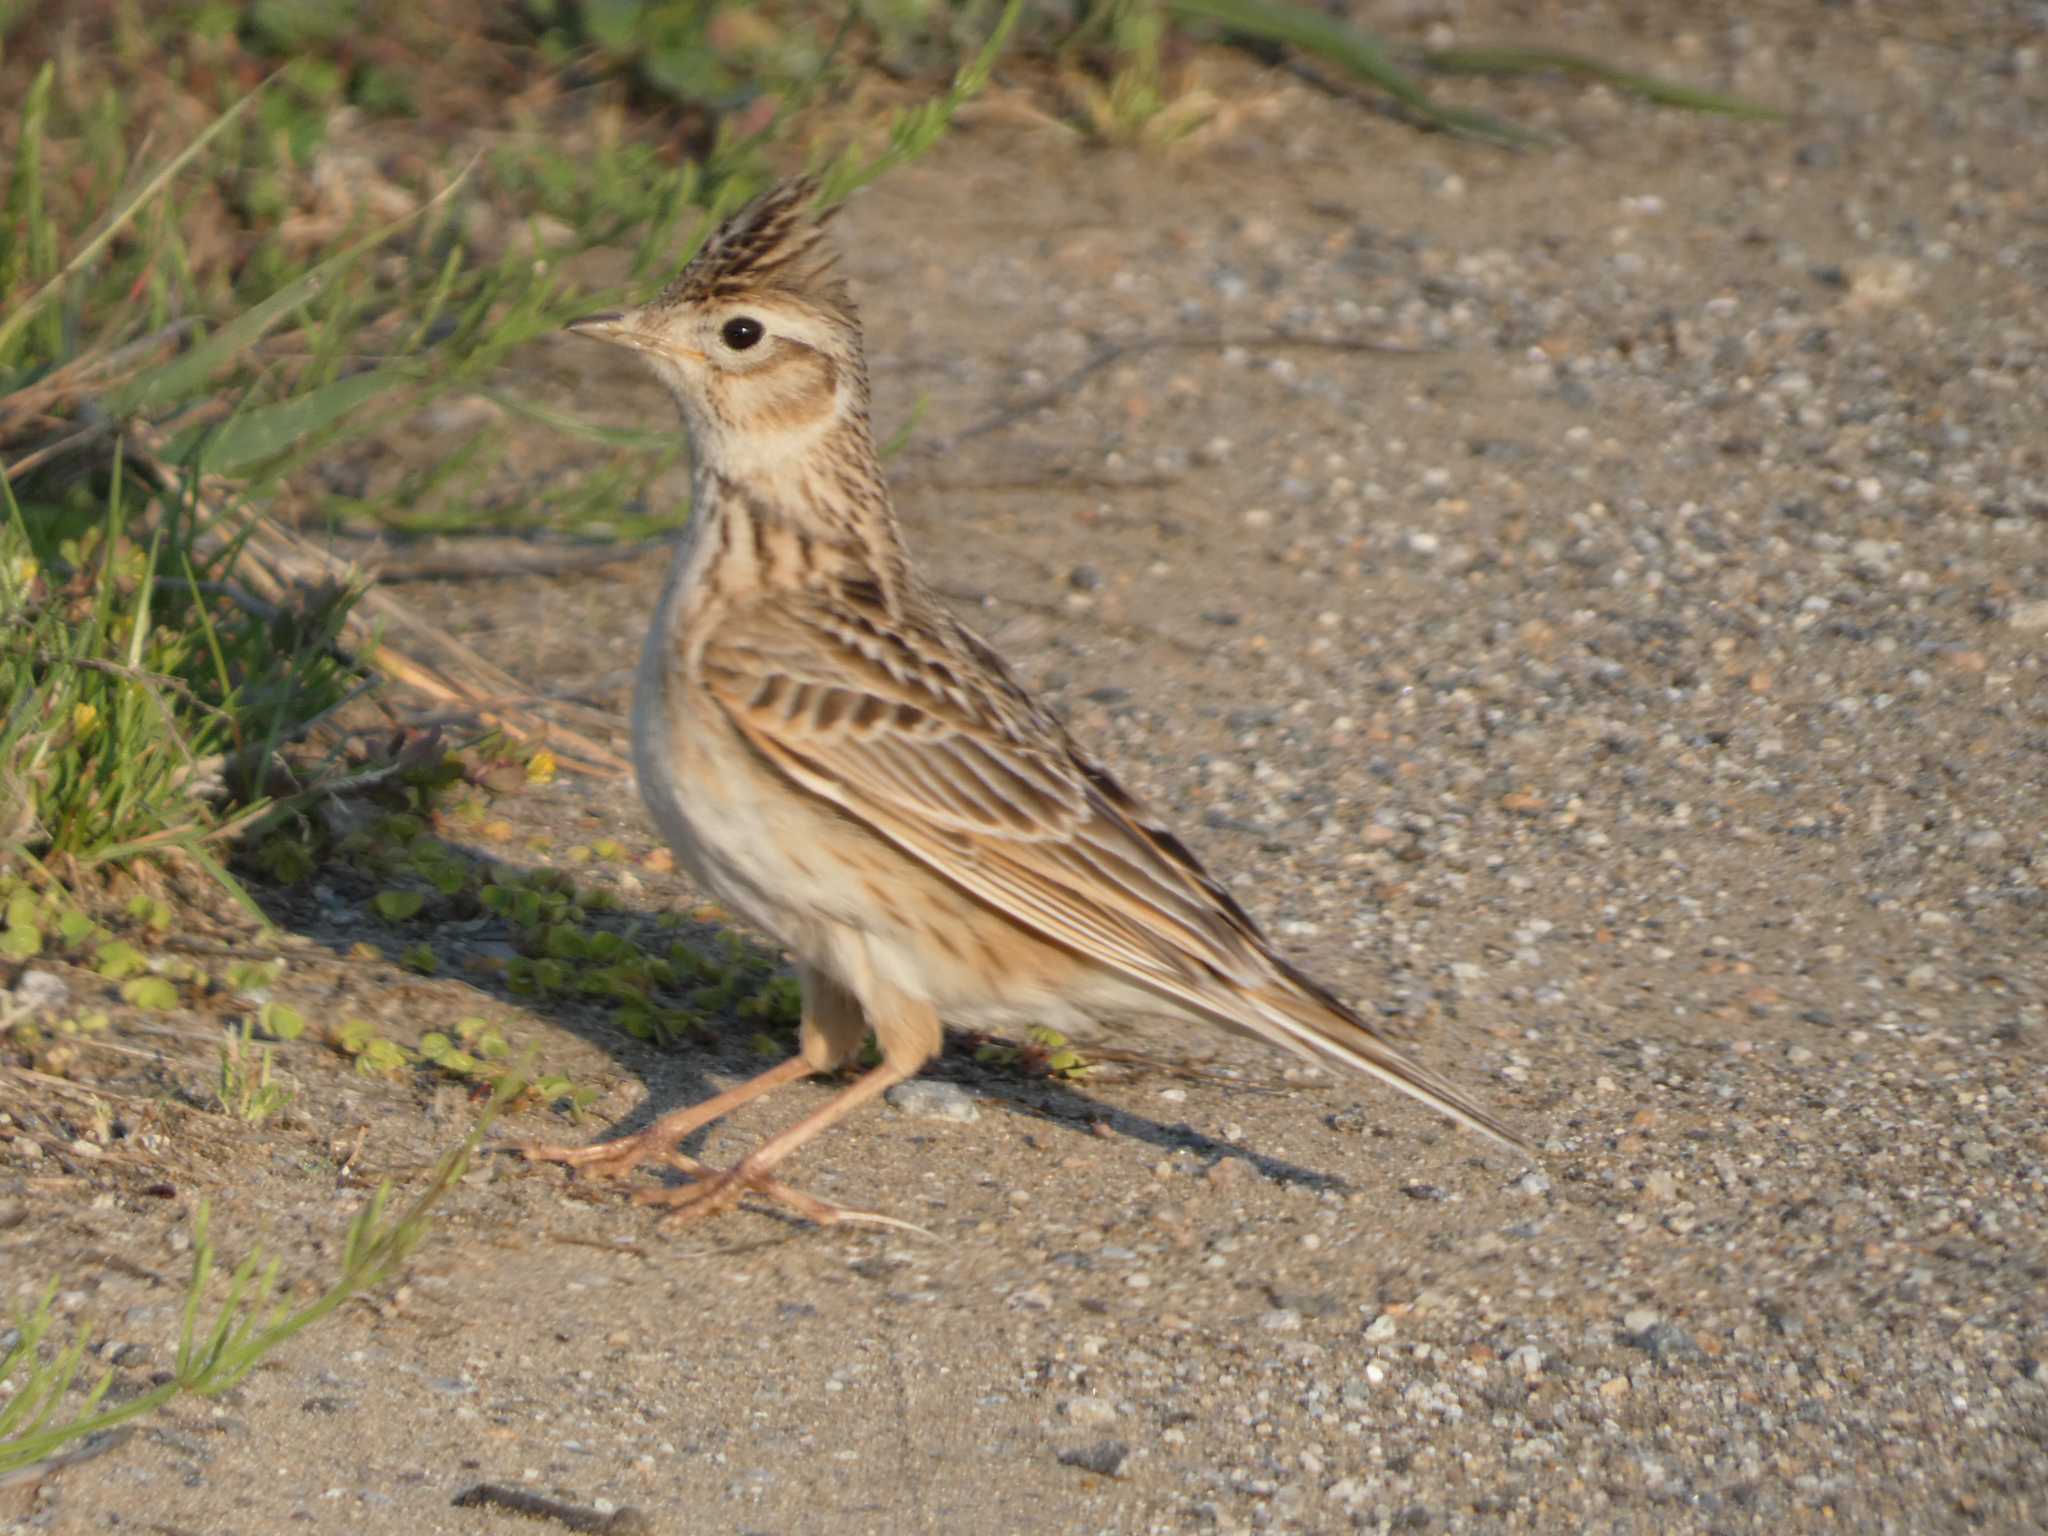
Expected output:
(744, 840)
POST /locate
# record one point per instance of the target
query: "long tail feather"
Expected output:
(1316, 1024)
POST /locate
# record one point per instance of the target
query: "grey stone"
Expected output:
(934, 1101)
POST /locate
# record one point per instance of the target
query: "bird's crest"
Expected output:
(775, 244)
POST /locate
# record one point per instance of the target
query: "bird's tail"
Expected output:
(1308, 1019)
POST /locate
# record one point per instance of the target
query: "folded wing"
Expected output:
(918, 731)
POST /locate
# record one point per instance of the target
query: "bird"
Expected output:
(837, 758)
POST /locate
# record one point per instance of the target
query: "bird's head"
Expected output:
(756, 337)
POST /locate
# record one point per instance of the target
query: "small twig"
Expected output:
(369, 778)
(149, 680)
(189, 833)
(355, 1150)
(631, 1250)
(94, 1042)
(274, 556)
(183, 946)
(306, 728)
(554, 564)
(70, 1089)
(91, 1446)
(598, 759)
(427, 720)
(254, 606)
(1031, 405)
(133, 675)
(123, 1265)
(1056, 483)
(94, 370)
(580, 695)
(1053, 393)
(58, 449)
(624, 1521)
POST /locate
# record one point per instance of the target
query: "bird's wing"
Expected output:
(913, 727)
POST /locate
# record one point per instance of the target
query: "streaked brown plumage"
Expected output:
(842, 761)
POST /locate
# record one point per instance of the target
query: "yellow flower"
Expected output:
(82, 718)
(540, 768)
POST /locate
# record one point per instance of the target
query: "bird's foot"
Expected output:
(603, 1159)
(712, 1191)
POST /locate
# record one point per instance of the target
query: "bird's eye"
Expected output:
(742, 332)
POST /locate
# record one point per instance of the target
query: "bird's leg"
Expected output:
(907, 1029)
(608, 1159)
(710, 1193)
(832, 1029)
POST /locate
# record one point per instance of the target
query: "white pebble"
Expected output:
(934, 1101)
(1089, 1410)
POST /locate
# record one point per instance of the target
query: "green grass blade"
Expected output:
(195, 1292)
(436, 300)
(23, 210)
(576, 426)
(210, 632)
(269, 431)
(227, 882)
(1352, 50)
(900, 438)
(119, 219)
(176, 380)
(185, 376)
(913, 132)
(247, 1327)
(732, 157)
(1550, 61)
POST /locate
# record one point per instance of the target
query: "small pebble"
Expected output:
(39, 989)
(1089, 1410)
(934, 1101)
(1665, 1343)
(1105, 1458)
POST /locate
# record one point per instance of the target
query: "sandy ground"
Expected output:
(1635, 694)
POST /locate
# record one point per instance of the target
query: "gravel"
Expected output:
(1634, 698)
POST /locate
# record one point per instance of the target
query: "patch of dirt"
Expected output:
(1635, 694)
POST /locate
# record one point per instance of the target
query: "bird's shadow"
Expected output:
(461, 933)
(1060, 1100)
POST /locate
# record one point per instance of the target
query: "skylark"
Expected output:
(836, 757)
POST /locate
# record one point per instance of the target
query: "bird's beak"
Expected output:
(624, 328)
(605, 327)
